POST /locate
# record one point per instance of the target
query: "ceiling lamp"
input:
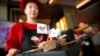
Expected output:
(82, 3)
(52, 2)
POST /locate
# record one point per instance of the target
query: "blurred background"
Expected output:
(61, 14)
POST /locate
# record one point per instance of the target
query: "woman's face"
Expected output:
(31, 10)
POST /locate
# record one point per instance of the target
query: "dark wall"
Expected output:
(91, 14)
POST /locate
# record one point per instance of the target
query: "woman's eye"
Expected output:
(33, 7)
(30, 6)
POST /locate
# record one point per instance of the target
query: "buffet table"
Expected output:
(71, 52)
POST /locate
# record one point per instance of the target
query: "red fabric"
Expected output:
(24, 2)
(14, 39)
(80, 20)
(40, 39)
(79, 33)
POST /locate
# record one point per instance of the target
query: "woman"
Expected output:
(20, 37)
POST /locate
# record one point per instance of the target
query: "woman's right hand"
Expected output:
(12, 52)
(9, 55)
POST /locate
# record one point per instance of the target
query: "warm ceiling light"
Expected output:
(52, 2)
(82, 3)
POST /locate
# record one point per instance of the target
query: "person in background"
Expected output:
(23, 36)
(88, 48)
(96, 29)
(81, 26)
(94, 32)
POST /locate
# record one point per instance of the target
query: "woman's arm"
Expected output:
(13, 40)
(12, 51)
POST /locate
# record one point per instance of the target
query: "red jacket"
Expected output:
(14, 39)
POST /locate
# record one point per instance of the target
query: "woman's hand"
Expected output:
(12, 52)
(9, 55)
